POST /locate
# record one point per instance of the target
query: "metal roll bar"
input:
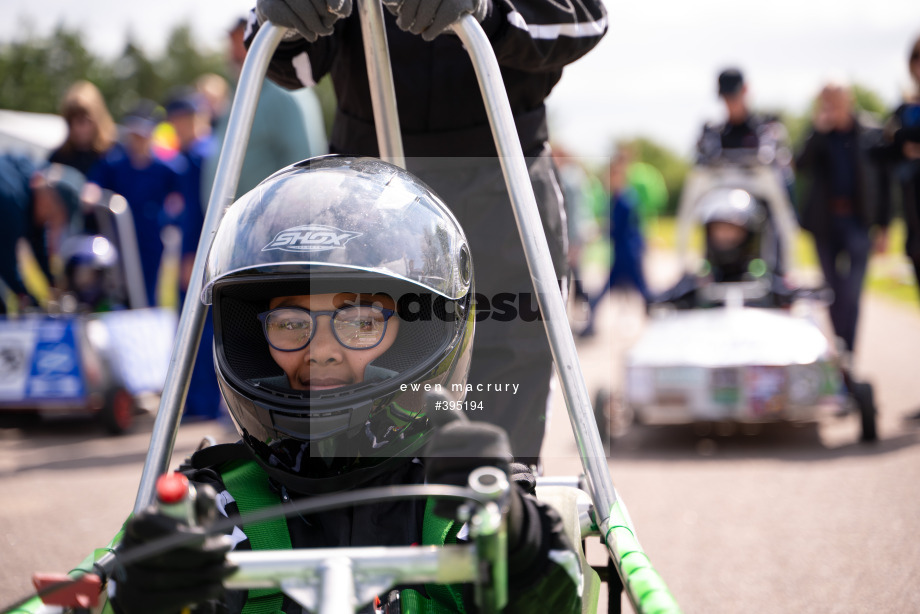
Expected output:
(647, 592)
(191, 319)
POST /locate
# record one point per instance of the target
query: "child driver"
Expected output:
(341, 287)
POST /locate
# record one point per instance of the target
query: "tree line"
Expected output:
(36, 71)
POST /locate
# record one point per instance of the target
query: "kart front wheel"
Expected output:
(864, 396)
(117, 414)
(603, 410)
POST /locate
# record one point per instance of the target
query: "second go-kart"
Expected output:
(735, 341)
(98, 350)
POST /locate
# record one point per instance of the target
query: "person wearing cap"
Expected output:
(150, 185)
(744, 129)
(39, 206)
(448, 143)
(187, 112)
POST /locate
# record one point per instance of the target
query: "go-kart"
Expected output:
(752, 348)
(341, 579)
(89, 354)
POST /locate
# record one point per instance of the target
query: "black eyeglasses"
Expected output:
(357, 327)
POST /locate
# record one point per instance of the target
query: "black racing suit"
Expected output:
(448, 144)
(760, 133)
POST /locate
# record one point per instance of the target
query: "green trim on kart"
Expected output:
(647, 590)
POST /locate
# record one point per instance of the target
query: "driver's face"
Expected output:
(725, 236)
(325, 363)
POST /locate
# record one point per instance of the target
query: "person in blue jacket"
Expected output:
(626, 239)
(150, 185)
(39, 206)
(186, 111)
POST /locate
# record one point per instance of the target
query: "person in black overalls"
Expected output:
(449, 145)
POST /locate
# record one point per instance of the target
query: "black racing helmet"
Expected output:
(333, 225)
(91, 270)
(730, 259)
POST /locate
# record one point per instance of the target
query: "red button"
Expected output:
(172, 487)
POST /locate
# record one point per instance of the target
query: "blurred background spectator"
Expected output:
(625, 234)
(288, 126)
(745, 130)
(188, 113)
(90, 129)
(40, 207)
(215, 91)
(842, 202)
(902, 153)
(651, 191)
(150, 185)
(576, 187)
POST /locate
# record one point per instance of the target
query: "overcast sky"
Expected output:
(653, 74)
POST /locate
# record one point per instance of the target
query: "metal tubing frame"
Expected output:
(450, 564)
(542, 272)
(191, 320)
(380, 79)
(130, 254)
(336, 586)
(613, 518)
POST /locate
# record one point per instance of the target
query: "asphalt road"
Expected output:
(788, 519)
(785, 520)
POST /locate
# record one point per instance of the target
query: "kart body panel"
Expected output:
(731, 364)
(67, 364)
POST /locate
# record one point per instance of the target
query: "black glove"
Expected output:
(168, 581)
(431, 17)
(311, 18)
(522, 475)
(458, 448)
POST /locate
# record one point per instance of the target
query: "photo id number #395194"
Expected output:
(458, 405)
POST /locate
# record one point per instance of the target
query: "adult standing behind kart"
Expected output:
(744, 129)
(449, 145)
(843, 200)
(744, 133)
